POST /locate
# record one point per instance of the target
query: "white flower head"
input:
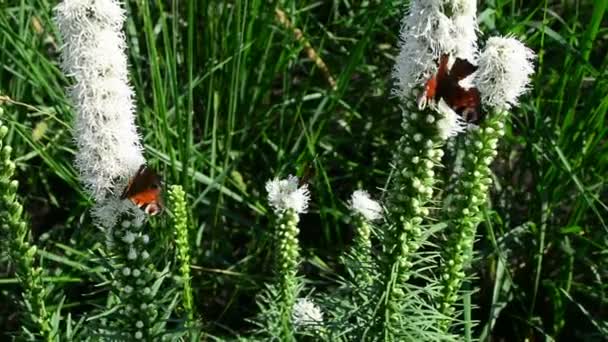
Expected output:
(464, 18)
(505, 67)
(451, 124)
(285, 194)
(109, 147)
(361, 203)
(306, 313)
(426, 33)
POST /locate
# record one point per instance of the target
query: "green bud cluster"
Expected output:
(177, 197)
(23, 255)
(469, 193)
(418, 152)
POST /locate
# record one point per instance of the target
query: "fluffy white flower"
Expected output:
(464, 18)
(505, 67)
(451, 124)
(361, 203)
(285, 194)
(306, 313)
(426, 33)
(109, 147)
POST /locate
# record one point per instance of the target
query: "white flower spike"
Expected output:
(109, 147)
(426, 33)
(505, 67)
(464, 18)
(361, 203)
(306, 313)
(285, 194)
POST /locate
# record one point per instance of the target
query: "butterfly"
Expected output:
(144, 190)
(445, 84)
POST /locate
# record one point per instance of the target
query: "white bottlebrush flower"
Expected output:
(306, 313)
(285, 194)
(426, 34)
(505, 67)
(451, 124)
(109, 147)
(361, 203)
(464, 18)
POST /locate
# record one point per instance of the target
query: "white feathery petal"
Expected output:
(361, 203)
(285, 194)
(306, 313)
(109, 147)
(451, 124)
(505, 67)
(464, 17)
(426, 34)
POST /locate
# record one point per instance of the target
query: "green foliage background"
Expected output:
(227, 99)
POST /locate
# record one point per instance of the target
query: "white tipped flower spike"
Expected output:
(426, 34)
(451, 124)
(109, 149)
(361, 203)
(505, 67)
(464, 17)
(285, 194)
(306, 313)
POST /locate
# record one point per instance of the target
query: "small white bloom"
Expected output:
(361, 203)
(284, 194)
(505, 67)
(306, 313)
(451, 124)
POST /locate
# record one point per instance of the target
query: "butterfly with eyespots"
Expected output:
(144, 190)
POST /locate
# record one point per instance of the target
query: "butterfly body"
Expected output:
(144, 190)
(445, 85)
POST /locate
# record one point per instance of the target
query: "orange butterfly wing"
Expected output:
(144, 190)
(445, 85)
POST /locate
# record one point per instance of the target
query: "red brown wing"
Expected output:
(465, 102)
(144, 190)
(461, 69)
(434, 84)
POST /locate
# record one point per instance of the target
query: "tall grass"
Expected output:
(228, 98)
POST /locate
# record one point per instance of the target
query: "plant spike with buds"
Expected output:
(503, 75)
(364, 212)
(428, 33)
(288, 200)
(15, 233)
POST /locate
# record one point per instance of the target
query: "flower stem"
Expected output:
(472, 181)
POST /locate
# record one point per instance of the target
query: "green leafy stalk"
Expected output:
(178, 200)
(472, 180)
(15, 231)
